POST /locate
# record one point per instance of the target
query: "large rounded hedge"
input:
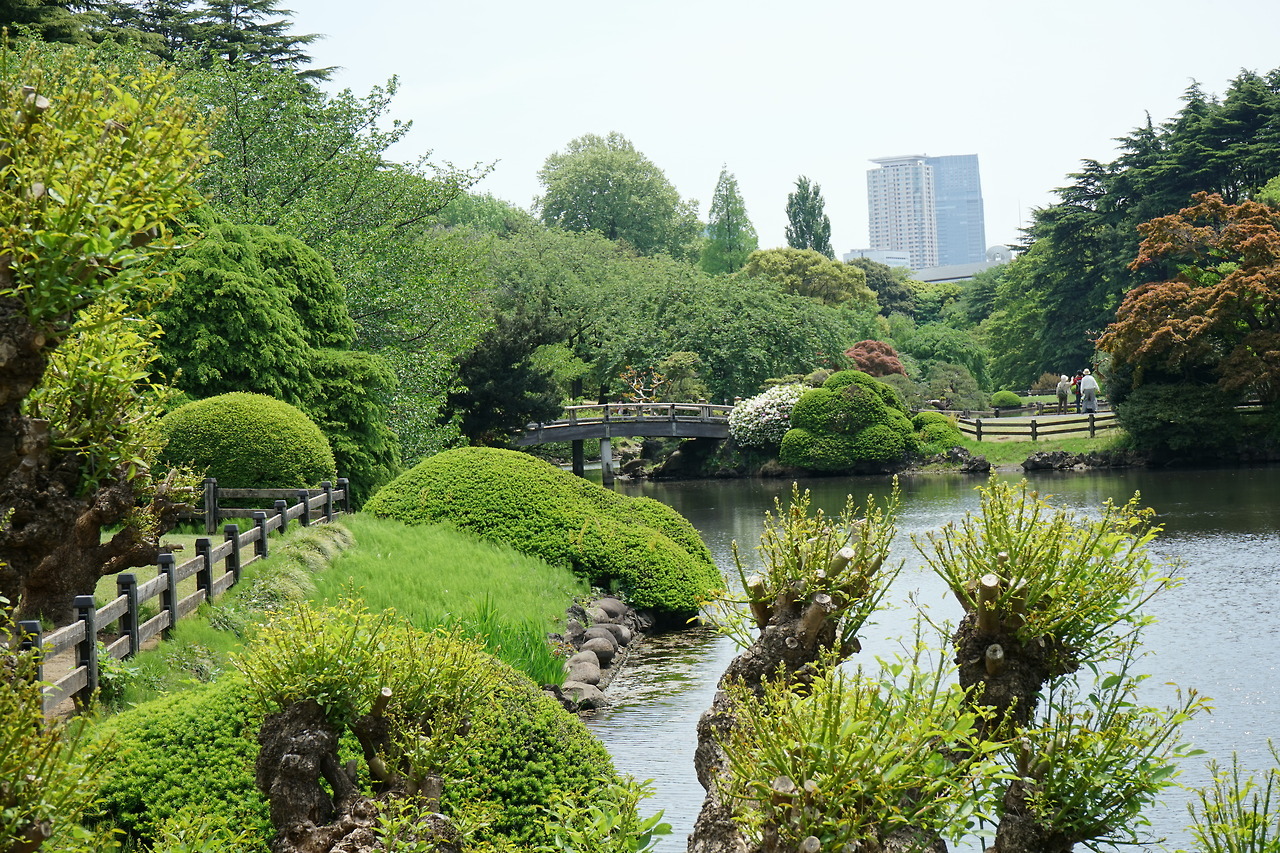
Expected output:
(248, 441)
(195, 752)
(634, 546)
(852, 419)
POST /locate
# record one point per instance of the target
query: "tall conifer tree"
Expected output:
(730, 235)
(810, 228)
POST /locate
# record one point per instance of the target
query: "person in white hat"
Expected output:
(1089, 391)
(1064, 388)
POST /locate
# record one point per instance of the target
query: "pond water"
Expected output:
(1218, 632)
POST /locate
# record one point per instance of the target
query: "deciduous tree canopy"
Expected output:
(1220, 314)
(602, 183)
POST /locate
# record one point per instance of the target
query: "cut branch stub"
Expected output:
(840, 560)
(994, 660)
(380, 703)
(814, 615)
(988, 593)
(759, 608)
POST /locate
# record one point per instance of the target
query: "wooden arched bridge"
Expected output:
(624, 420)
(620, 420)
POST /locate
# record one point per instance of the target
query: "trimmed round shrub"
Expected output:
(522, 750)
(248, 441)
(191, 750)
(637, 547)
(853, 418)
(879, 443)
(1005, 399)
(846, 409)
(764, 419)
(937, 435)
(920, 419)
(817, 451)
(195, 751)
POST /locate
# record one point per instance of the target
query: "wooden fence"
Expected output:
(1036, 429)
(216, 568)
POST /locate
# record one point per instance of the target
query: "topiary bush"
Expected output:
(637, 547)
(248, 441)
(1005, 400)
(192, 749)
(920, 419)
(935, 437)
(852, 419)
(762, 420)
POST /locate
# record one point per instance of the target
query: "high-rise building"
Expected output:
(900, 205)
(930, 207)
(957, 201)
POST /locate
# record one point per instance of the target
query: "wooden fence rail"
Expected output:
(216, 568)
(979, 428)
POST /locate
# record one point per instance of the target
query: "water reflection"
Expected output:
(1216, 632)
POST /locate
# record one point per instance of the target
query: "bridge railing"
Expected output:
(605, 412)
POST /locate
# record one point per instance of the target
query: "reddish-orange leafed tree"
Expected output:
(876, 358)
(1221, 312)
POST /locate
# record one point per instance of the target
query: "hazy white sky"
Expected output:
(774, 90)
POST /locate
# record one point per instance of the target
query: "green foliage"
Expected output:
(48, 773)
(1005, 399)
(183, 753)
(731, 238)
(316, 167)
(843, 556)
(954, 385)
(808, 226)
(97, 162)
(604, 184)
(920, 420)
(935, 343)
(494, 737)
(1237, 813)
(852, 419)
(1064, 577)
(351, 412)
(1096, 761)
(936, 437)
(100, 399)
(502, 388)
(607, 822)
(248, 441)
(889, 284)
(1180, 420)
(809, 273)
(541, 510)
(855, 757)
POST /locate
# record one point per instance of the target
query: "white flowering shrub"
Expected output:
(764, 419)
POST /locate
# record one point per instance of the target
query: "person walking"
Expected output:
(1089, 391)
(1064, 388)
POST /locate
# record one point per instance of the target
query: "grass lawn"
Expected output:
(1012, 451)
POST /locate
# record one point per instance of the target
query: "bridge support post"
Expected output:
(606, 462)
(579, 459)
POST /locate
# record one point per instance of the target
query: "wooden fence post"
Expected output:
(260, 522)
(282, 510)
(33, 640)
(345, 485)
(127, 585)
(204, 574)
(978, 423)
(87, 649)
(210, 506)
(304, 497)
(168, 595)
(1091, 425)
(231, 533)
(1033, 429)
(328, 500)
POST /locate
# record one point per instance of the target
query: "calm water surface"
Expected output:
(1219, 632)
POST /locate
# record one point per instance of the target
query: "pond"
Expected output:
(1217, 632)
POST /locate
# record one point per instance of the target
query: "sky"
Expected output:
(774, 90)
